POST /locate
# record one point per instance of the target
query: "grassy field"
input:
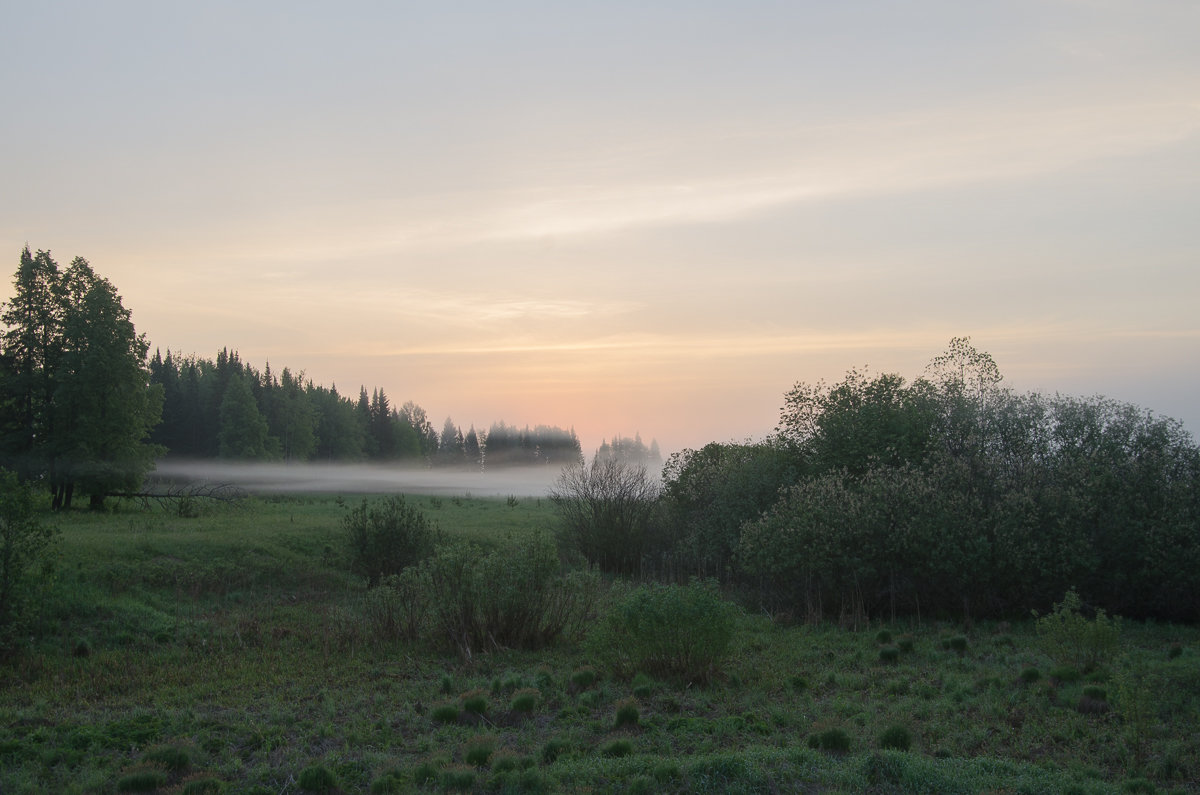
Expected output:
(227, 652)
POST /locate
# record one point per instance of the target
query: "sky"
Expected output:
(624, 217)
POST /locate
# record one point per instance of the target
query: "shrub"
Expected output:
(1068, 638)
(397, 607)
(607, 511)
(668, 630)
(895, 737)
(317, 778)
(386, 537)
(889, 655)
(24, 543)
(514, 596)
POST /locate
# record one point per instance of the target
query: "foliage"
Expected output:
(513, 596)
(387, 536)
(1068, 638)
(668, 630)
(24, 544)
(951, 495)
(711, 492)
(607, 509)
(76, 404)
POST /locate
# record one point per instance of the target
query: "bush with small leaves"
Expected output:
(1068, 638)
(895, 737)
(387, 536)
(627, 713)
(677, 631)
(317, 778)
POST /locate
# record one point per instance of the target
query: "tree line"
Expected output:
(82, 408)
(227, 408)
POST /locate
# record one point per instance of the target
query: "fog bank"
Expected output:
(360, 478)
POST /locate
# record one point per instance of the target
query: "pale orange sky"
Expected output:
(625, 218)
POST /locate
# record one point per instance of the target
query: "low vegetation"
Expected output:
(236, 652)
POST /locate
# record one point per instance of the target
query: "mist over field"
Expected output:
(360, 478)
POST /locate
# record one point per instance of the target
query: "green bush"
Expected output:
(515, 596)
(889, 655)
(1068, 638)
(386, 537)
(24, 544)
(667, 630)
(397, 608)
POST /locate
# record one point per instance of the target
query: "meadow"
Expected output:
(233, 651)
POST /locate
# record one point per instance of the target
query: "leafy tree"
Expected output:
(78, 380)
(607, 509)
